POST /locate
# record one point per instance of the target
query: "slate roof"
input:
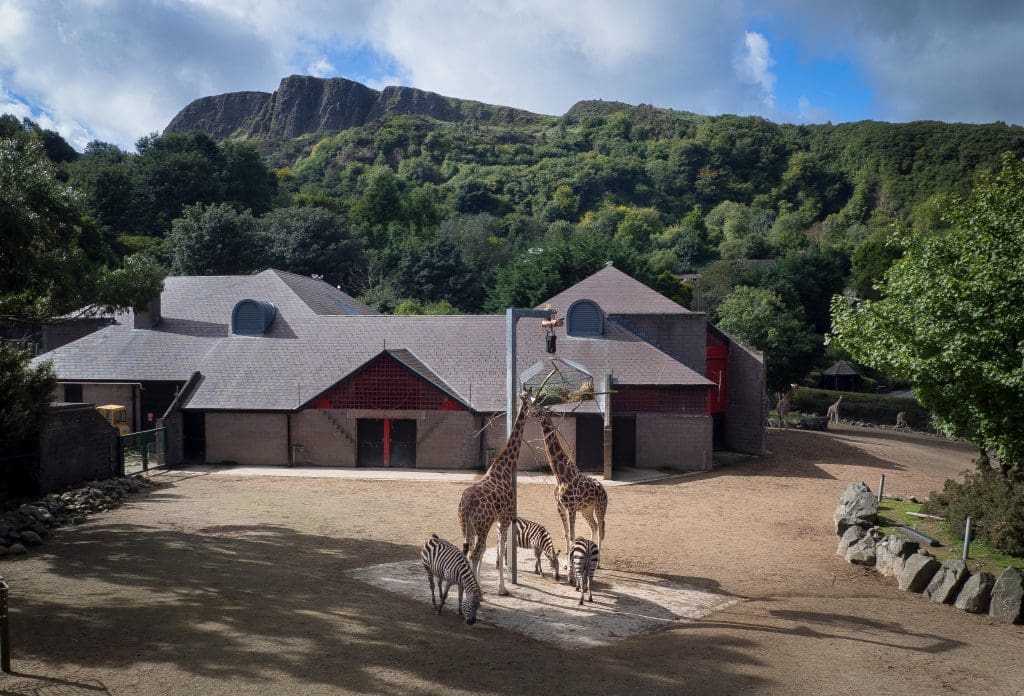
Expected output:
(305, 352)
(616, 293)
(841, 369)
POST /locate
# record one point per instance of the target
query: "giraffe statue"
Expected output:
(784, 404)
(574, 491)
(833, 411)
(492, 499)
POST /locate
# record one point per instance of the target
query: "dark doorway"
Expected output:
(590, 443)
(403, 443)
(718, 430)
(194, 436)
(154, 400)
(370, 436)
(73, 393)
(623, 441)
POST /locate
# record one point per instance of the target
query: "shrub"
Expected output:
(994, 501)
(869, 408)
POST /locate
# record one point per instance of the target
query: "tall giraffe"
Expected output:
(575, 491)
(785, 399)
(492, 499)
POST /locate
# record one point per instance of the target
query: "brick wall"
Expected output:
(746, 415)
(675, 441)
(247, 438)
(683, 336)
(76, 445)
(327, 436)
(448, 440)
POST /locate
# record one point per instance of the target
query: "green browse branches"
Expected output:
(951, 317)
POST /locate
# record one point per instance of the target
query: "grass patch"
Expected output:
(893, 513)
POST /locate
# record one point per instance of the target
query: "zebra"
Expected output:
(583, 559)
(531, 535)
(442, 559)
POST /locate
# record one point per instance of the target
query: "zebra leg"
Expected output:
(590, 586)
(537, 569)
(430, 577)
(460, 599)
(444, 595)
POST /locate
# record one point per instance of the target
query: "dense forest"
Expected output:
(417, 215)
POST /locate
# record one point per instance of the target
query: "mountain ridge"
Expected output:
(305, 104)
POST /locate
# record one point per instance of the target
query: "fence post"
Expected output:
(5, 633)
(145, 454)
(881, 487)
(967, 537)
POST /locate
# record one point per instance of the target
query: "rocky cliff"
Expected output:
(304, 104)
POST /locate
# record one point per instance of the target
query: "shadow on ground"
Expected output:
(266, 604)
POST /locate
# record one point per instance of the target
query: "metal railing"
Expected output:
(5, 632)
(142, 451)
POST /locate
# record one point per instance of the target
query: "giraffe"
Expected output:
(492, 499)
(833, 411)
(575, 491)
(783, 405)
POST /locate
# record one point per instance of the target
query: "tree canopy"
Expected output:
(949, 318)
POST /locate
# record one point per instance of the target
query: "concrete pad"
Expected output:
(625, 604)
(624, 477)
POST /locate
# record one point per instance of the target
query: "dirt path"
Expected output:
(219, 585)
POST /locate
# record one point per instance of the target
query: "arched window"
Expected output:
(252, 317)
(584, 319)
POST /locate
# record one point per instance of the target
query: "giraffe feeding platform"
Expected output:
(626, 604)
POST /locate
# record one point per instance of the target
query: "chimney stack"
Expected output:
(148, 316)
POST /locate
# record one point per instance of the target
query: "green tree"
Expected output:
(760, 318)
(949, 320)
(24, 394)
(248, 182)
(308, 241)
(216, 240)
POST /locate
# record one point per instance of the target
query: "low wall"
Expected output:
(77, 444)
(667, 440)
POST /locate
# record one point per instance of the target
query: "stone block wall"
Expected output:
(673, 441)
(327, 436)
(746, 413)
(259, 439)
(76, 445)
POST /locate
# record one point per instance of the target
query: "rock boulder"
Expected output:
(857, 506)
(946, 583)
(892, 552)
(918, 571)
(1007, 603)
(975, 595)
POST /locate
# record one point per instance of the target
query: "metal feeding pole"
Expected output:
(511, 317)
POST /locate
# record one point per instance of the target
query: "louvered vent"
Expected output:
(252, 317)
(584, 319)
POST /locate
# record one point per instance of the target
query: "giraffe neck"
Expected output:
(563, 467)
(507, 460)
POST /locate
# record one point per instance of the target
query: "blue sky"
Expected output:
(115, 70)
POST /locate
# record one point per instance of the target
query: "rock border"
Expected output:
(916, 570)
(30, 524)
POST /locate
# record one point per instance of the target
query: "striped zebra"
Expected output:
(533, 536)
(443, 560)
(583, 559)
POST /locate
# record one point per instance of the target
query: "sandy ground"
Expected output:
(232, 585)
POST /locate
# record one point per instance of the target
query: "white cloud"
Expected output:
(809, 113)
(118, 69)
(755, 66)
(321, 67)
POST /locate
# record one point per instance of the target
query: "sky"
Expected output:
(115, 70)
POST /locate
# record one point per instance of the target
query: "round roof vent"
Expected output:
(252, 317)
(584, 319)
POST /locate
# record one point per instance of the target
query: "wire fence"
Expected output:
(142, 451)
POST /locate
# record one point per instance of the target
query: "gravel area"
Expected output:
(241, 585)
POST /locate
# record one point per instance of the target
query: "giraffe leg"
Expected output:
(502, 539)
(477, 553)
(565, 528)
(571, 514)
